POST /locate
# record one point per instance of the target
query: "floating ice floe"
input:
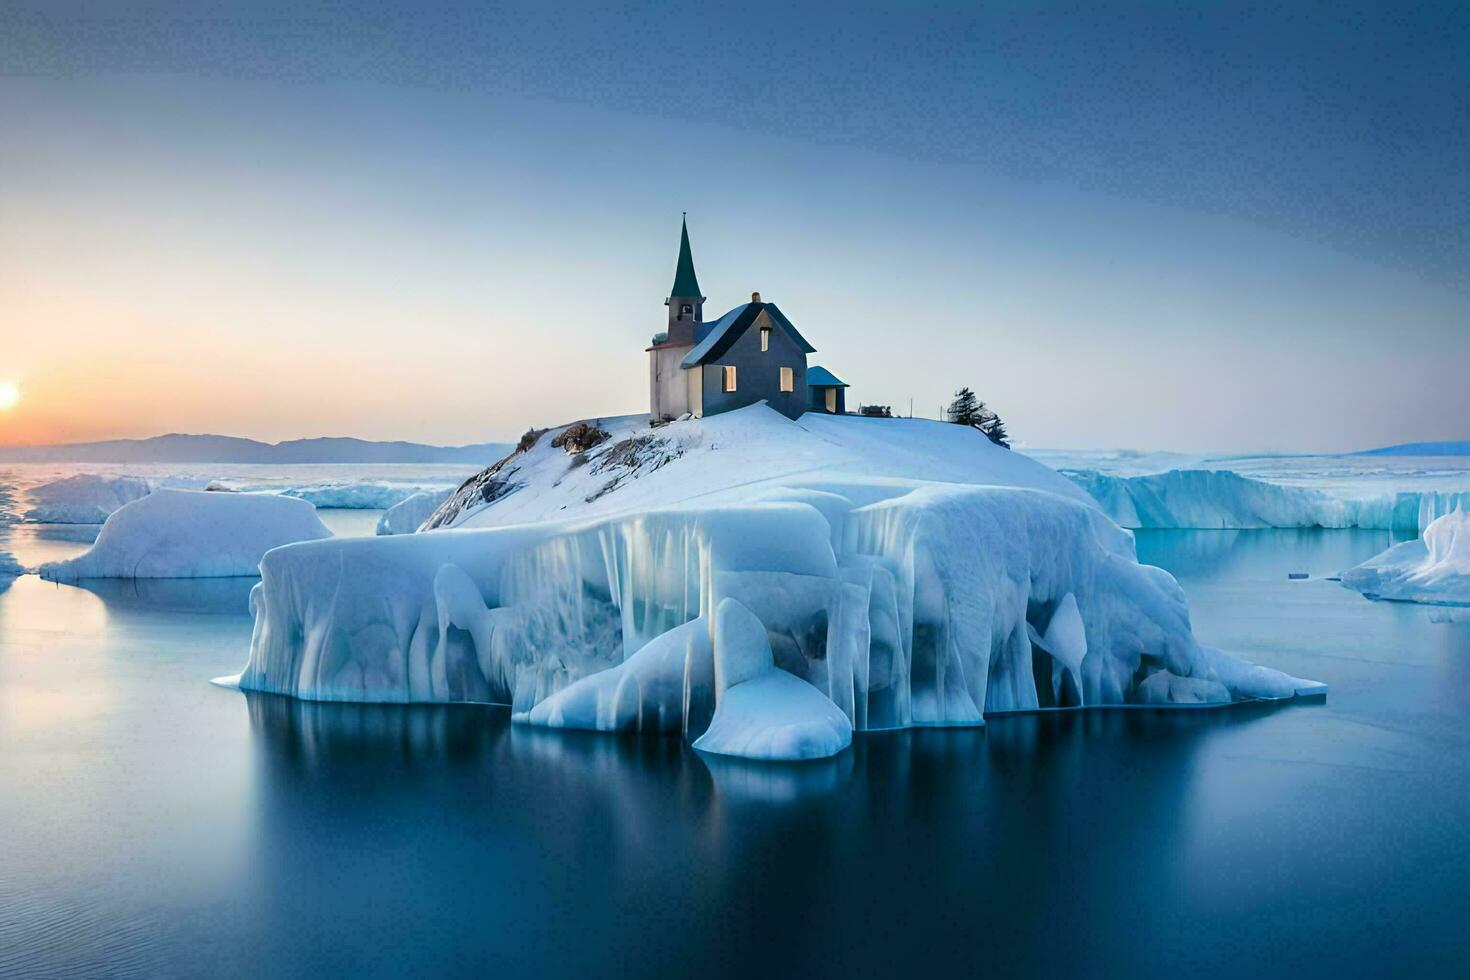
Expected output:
(1223, 499)
(408, 514)
(762, 587)
(191, 534)
(1434, 568)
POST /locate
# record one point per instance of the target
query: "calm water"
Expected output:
(151, 824)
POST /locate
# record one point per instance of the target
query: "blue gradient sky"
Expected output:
(1143, 224)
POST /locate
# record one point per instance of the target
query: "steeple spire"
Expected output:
(686, 283)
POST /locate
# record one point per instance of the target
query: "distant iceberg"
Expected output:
(89, 498)
(1224, 499)
(1432, 569)
(191, 534)
(406, 516)
(354, 496)
(761, 586)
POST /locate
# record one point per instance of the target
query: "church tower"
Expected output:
(685, 303)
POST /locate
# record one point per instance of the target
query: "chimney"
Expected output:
(755, 297)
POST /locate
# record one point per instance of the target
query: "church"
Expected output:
(751, 354)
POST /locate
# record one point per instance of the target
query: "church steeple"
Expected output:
(685, 302)
(686, 283)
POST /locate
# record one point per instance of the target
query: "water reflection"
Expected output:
(153, 596)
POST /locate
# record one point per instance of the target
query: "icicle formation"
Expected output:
(927, 605)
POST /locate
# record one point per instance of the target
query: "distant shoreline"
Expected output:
(181, 448)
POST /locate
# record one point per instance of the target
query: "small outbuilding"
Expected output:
(826, 392)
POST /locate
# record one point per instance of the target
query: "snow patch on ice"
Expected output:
(1432, 569)
(191, 534)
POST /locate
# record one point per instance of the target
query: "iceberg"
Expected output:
(1212, 499)
(1433, 569)
(406, 516)
(90, 498)
(83, 499)
(191, 534)
(354, 496)
(762, 587)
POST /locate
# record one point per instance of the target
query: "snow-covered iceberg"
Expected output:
(902, 572)
(408, 514)
(1434, 568)
(1223, 499)
(191, 534)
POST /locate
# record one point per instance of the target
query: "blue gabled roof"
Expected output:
(717, 337)
(820, 377)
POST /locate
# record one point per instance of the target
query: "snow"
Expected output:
(1434, 568)
(408, 514)
(9, 567)
(191, 534)
(902, 573)
(1219, 498)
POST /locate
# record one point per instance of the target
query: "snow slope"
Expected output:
(191, 534)
(903, 573)
(1434, 568)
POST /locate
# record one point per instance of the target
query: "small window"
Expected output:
(788, 380)
(729, 377)
(766, 339)
(686, 309)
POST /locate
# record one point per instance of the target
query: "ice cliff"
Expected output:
(1434, 568)
(1222, 499)
(762, 587)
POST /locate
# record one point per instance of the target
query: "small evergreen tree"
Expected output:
(966, 409)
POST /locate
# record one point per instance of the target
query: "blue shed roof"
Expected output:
(820, 377)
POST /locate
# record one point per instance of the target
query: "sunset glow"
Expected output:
(9, 395)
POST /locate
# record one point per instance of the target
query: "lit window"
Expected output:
(788, 379)
(765, 338)
(729, 377)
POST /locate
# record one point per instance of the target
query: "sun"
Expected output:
(9, 395)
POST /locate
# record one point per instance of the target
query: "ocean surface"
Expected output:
(152, 824)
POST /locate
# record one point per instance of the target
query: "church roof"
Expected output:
(686, 283)
(819, 377)
(717, 337)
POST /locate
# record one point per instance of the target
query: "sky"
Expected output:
(1222, 227)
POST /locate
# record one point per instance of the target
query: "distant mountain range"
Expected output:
(1453, 447)
(176, 448)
